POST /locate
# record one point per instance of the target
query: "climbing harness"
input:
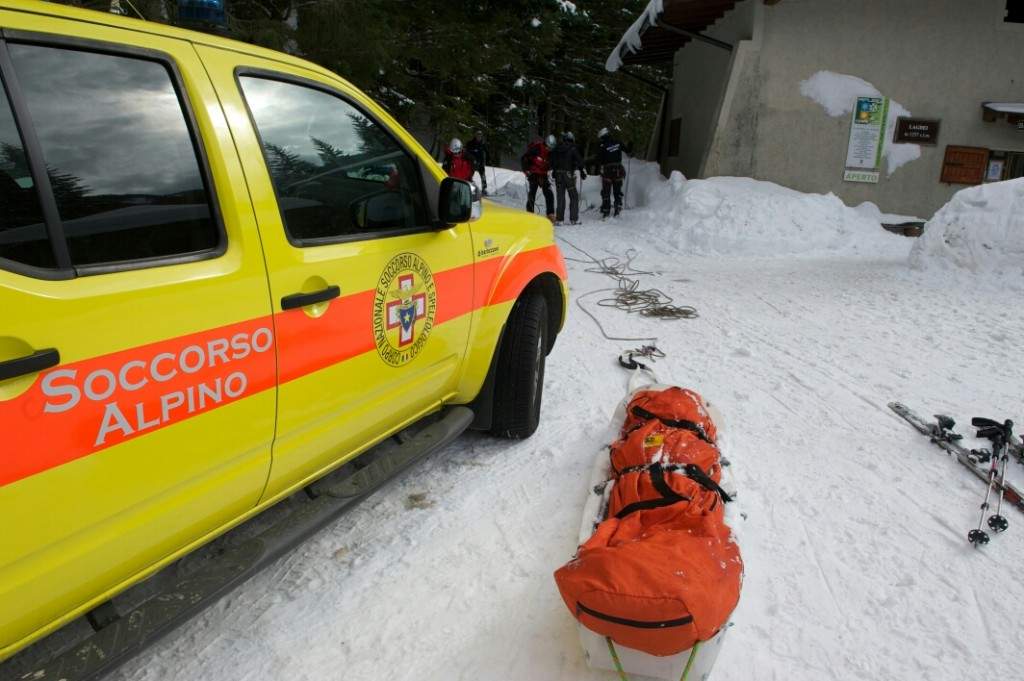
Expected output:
(650, 352)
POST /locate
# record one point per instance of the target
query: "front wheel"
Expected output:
(520, 371)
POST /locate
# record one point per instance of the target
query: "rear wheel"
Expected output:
(519, 382)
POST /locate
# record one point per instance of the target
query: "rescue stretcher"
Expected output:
(601, 652)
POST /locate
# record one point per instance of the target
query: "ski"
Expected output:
(940, 432)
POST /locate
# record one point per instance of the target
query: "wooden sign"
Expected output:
(965, 165)
(916, 131)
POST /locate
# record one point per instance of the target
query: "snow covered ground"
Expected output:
(811, 320)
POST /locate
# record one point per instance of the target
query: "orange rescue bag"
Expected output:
(654, 442)
(658, 486)
(657, 581)
(676, 407)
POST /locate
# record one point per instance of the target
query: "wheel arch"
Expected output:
(548, 285)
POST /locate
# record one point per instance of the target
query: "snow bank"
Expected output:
(838, 92)
(506, 183)
(728, 215)
(745, 217)
(980, 230)
(871, 210)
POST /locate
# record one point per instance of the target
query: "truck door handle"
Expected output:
(295, 300)
(30, 364)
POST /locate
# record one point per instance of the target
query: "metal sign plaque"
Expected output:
(916, 131)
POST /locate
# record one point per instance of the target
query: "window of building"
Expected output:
(119, 155)
(337, 173)
(1004, 165)
(1014, 12)
(23, 235)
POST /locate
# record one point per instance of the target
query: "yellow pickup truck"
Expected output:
(225, 273)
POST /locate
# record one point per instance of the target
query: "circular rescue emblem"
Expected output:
(403, 308)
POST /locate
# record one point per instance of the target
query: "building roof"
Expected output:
(647, 42)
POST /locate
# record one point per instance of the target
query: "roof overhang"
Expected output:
(664, 27)
(1013, 112)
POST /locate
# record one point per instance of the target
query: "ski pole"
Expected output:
(999, 434)
(978, 536)
(629, 168)
(997, 523)
(579, 201)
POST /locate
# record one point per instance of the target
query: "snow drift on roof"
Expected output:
(631, 39)
(980, 230)
(1005, 107)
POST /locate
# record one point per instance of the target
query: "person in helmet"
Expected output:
(456, 163)
(609, 158)
(565, 160)
(477, 151)
(535, 167)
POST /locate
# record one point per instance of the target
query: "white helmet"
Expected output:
(568, 136)
(455, 145)
(550, 140)
(602, 133)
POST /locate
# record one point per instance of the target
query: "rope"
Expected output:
(627, 294)
(615, 659)
(689, 663)
(622, 672)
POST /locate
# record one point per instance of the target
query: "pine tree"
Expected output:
(515, 69)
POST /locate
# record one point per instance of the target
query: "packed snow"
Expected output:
(980, 230)
(871, 210)
(837, 93)
(732, 215)
(851, 524)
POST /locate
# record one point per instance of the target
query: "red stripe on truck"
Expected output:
(84, 407)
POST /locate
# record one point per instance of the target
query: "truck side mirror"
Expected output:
(455, 202)
(478, 204)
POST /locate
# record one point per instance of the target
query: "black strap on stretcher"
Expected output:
(641, 413)
(668, 495)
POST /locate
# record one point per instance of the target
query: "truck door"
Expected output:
(372, 303)
(136, 345)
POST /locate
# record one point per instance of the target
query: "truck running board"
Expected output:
(116, 637)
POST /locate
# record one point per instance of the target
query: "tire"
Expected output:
(519, 383)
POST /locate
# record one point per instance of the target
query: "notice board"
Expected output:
(867, 135)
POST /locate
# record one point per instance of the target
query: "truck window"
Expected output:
(23, 235)
(119, 154)
(337, 173)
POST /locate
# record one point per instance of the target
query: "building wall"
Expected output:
(938, 58)
(701, 72)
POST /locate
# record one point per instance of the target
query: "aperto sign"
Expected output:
(867, 137)
(868, 176)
